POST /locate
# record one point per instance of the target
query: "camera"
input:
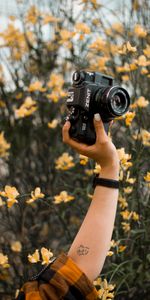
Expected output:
(91, 93)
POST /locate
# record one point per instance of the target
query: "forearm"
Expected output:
(90, 246)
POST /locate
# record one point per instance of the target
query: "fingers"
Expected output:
(65, 131)
(79, 147)
(101, 135)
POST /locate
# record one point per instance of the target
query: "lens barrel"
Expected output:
(112, 101)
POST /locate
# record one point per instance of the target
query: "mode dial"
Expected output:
(78, 77)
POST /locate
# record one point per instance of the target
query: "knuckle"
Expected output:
(82, 150)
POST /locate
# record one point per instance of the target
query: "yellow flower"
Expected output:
(147, 177)
(11, 193)
(12, 18)
(94, 3)
(105, 291)
(127, 48)
(17, 293)
(145, 135)
(14, 38)
(32, 15)
(55, 83)
(2, 104)
(128, 190)
(35, 195)
(113, 243)
(136, 5)
(110, 253)
(36, 86)
(88, 172)
(27, 108)
(121, 248)
(124, 157)
(142, 61)
(125, 226)
(147, 51)
(54, 96)
(118, 27)
(111, 48)
(129, 116)
(83, 159)
(63, 197)
(35, 257)
(125, 78)
(139, 31)
(130, 180)
(90, 196)
(135, 216)
(97, 169)
(64, 162)
(133, 66)
(130, 48)
(144, 71)
(95, 21)
(122, 69)
(98, 281)
(98, 45)
(121, 174)
(109, 31)
(101, 62)
(142, 102)
(126, 214)
(46, 255)
(4, 260)
(122, 49)
(4, 146)
(65, 35)
(49, 19)
(82, 27)
(19, 96)
(1, 201)
(53, 124)
(122, 202)
(16, 246)
(55, 80)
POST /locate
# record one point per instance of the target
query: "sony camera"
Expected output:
(90, 93)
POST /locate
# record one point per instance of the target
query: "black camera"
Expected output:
(91, 93)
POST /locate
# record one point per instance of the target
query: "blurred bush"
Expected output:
(40, 48)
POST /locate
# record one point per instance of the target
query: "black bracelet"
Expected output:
(105, 182)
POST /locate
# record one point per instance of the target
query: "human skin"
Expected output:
(92, 242)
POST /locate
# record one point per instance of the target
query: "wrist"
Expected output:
(110, 172)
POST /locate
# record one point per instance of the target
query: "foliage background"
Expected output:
(40, 48)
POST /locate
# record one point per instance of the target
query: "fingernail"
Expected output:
(97, 117)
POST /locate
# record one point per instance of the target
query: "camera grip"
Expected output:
(84, 132)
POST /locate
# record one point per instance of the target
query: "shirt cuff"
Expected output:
(74, 276)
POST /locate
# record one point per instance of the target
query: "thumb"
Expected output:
(99, 128)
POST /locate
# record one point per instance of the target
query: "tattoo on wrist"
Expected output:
(82, 250)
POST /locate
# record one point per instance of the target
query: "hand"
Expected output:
(103, 151)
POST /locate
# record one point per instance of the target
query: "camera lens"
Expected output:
(112, 102)
(119, 102)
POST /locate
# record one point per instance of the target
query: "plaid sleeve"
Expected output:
(62, 279)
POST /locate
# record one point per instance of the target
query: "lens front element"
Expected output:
(119, 102)
(111, 102)
(116, 100)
